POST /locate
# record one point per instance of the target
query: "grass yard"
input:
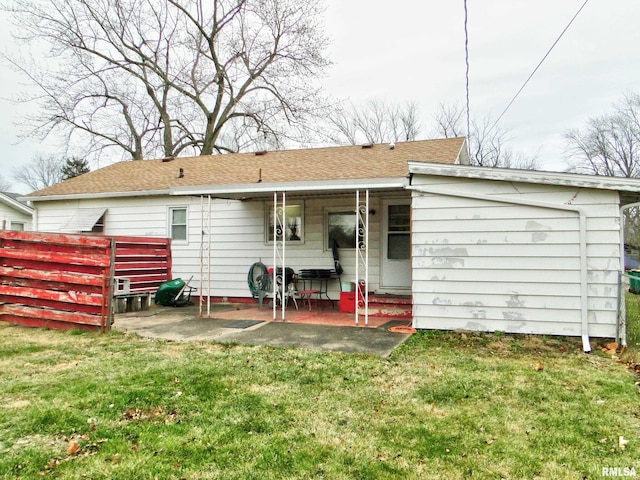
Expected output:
(445, 405)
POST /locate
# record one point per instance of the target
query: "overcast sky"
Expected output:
(410, 50)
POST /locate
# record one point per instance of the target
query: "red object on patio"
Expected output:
(348, 302)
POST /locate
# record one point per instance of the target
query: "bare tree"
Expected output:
(5, 185)
(155, 78)
(609, 144)
(42, 171)
(377, 121)
(486, 141)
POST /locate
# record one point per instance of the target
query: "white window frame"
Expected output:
(299, 224)
(170, 224)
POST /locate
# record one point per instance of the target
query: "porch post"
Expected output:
(362, 255)
(279, 250)
(205, 255)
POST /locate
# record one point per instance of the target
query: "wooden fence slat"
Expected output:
(53, 305)
(71, 296)
(64, 277)
(54, 257)
(46, 314)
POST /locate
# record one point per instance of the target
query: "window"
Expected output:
(398, 236)
(341, 227)
(17, 226)
(294, 223)
(178, 223)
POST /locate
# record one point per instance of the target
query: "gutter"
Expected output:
(89, 196)
(584, 287)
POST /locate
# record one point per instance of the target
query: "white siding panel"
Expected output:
(237, 235)
(485, 265)
(8, 215)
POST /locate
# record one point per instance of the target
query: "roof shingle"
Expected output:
(318, 164)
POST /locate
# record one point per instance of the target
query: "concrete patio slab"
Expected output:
(248, 325)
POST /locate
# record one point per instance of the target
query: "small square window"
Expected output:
(17, 226)
(293, 223)
(178, 226)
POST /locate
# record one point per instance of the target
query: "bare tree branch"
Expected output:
(610, 144)
(487, 144)
(377, 121)
(154, 78)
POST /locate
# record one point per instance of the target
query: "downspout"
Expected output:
(584, 285)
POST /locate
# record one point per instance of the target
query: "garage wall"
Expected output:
(495, 266)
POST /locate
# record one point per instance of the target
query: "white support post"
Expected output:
(279, 251)
(362, 255)
(205, 255)
(275, 252)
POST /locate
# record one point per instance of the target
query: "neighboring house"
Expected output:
(477, 248)
(14, 214)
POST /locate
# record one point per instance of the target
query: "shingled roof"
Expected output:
(378, 161)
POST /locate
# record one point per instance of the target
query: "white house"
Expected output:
(14, 214)
(477, 248)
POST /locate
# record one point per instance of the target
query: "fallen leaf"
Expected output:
(622, 442)
(538, 366)
(489, 441)
(73, 447)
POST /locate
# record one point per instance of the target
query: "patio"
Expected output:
(320, 329)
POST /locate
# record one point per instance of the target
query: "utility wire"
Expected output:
(466, 59)
(535, 69)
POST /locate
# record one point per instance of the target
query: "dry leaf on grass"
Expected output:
(622, 442)
(538, 366)
(73, 447)
(610, 348)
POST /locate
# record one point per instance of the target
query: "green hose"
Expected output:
(256, 273)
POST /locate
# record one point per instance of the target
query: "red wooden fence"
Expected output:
(145, 261)
(67, 281)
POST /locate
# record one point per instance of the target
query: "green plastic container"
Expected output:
(634, 281)
(167, 292)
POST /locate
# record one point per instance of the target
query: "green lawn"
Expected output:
(445, 405)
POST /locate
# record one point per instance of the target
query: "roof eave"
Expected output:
(26, 209)
(527, 176)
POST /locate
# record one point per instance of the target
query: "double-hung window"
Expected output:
(178, 224)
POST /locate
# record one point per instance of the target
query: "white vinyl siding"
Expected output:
(237, 232)
(9, 216)
(500, 266)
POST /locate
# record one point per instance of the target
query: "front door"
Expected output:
(396, 245)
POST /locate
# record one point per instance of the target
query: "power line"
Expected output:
(535, 69)
(466, 59)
